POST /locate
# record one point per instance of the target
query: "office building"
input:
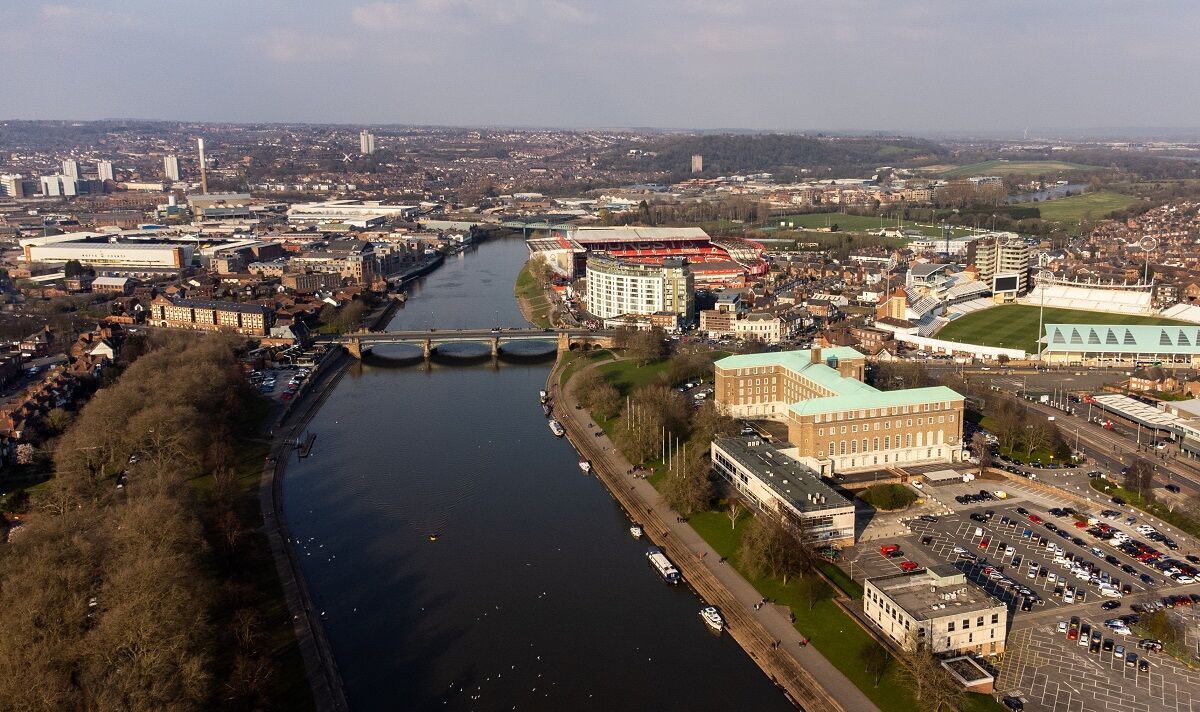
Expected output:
(1004, 263)
(618, 288)
(778, 484)
(697, 163)
(366, 142)
(171, 168)
(109, 252)
(12, 185)
(937, 610)
(836, 422)
(71, 167)
(104, 170)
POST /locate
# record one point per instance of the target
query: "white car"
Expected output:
(1110, 592)
(1062, 626)
(1069, 596)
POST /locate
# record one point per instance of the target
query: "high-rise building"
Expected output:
(59, 185)
(618, 287)
(1003, 261)
(366, 142)
(171, 167)
(70, 167)
(12, 185)
(104, 170)
(697, 163)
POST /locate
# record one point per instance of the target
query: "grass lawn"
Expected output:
(528, 288)
(1134, 499)
(1015, 326)
(1002, 167)
(856, 223)
(828, 629)
(1077, 208)
(627, 375)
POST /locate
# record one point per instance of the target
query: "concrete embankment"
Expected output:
(770, 646)
(319, 664)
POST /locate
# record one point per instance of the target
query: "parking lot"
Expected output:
(1050, 672)
(279, 383)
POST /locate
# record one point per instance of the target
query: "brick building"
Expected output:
(207, 315)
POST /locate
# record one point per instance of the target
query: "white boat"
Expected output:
(557, 428)
(635, 531)
(585, 466)
(712, 618)
(663, 565)
(543, 396)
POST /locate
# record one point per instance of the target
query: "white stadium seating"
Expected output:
(1091, 298)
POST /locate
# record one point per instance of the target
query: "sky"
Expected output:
(848, 65)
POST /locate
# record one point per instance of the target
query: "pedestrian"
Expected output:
(703, 554)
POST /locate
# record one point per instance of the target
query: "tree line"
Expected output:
(141, 597)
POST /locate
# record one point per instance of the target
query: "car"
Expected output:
(1026, 604)
(909, 566)
(1119, 652)
(926, 540)
(1173, 488)
(1014, 703)
(1131, 660)
(1022, 511)
(1108, 645)
(983, 543)
(928, 518)
(1110, 605)
(1143, 665)
(1150, 644)
(1085, 633)
(1062, 626)
(1094, 648)
(1073, 634)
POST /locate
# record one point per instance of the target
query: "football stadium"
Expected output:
(715, 262)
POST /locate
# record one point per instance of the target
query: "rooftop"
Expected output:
(788, 478)
(871, 398)
(938, 591)
(1120, 338)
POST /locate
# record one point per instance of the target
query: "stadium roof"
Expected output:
(637, 234)
(1121, 338)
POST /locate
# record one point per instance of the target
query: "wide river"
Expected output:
(534, 596)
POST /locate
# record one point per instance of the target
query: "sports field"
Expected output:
(1015, 326)
(1076, 208)
(1001, 167)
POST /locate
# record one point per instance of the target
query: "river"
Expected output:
(534, 596)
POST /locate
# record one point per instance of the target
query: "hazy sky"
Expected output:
(788, 64)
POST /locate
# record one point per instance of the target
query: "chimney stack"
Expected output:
(203, 168)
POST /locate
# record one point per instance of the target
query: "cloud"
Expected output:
(294, 47)
(464, 16)
(61, 15)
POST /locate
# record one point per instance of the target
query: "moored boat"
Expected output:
(546, 410)
(635, 531)
(585, 466)
(543, 396)
(663, 565)
(712, 618)
(557, 428)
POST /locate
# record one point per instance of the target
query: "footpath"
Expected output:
(767, 635)
(319, 665)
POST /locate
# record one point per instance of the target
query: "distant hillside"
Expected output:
(784, 155)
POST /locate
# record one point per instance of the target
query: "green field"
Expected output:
(857, 223)
(1015, 326)
(1002, 167)
(1077, 208)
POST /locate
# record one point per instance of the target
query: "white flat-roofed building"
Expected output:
(357, 213)
(108, 250)
(937, 610)
(776, 483)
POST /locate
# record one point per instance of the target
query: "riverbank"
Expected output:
(319, 663)
(794, 668)
(532, 300)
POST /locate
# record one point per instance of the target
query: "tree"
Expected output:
(1164, 627)
(876, 660)
(1140, 478)
(540, 269)
(1039, 434)
(930, 683)
(813, 589)
(982, 450)
(646, 346)
(688, 487)
(768, 548)
(735, 509)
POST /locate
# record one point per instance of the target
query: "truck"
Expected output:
(889, 549)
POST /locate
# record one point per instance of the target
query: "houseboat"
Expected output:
(557, 428)
(663, 565)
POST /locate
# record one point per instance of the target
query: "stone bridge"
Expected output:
(566, 339)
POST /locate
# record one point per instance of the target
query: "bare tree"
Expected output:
(813, 589)
(876, 660)
(982, 450)
(735, 509)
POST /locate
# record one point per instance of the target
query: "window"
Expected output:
(875, 444)
(853, 446)
(950, 628)
(979, 622)
(820, 432)
(995, 618)
(887, 442)
(831, 448)
(854, 428)
(843, 430)
(842, 448)
(910, 422)
(966, 623)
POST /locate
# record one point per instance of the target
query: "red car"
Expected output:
(983, 543)
(1035, 519)
(908, 566)
(1081, 525)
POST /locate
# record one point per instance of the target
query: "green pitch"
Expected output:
(1015, 326)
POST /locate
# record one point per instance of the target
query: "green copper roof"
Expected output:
(794, 360)
(875, 399)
